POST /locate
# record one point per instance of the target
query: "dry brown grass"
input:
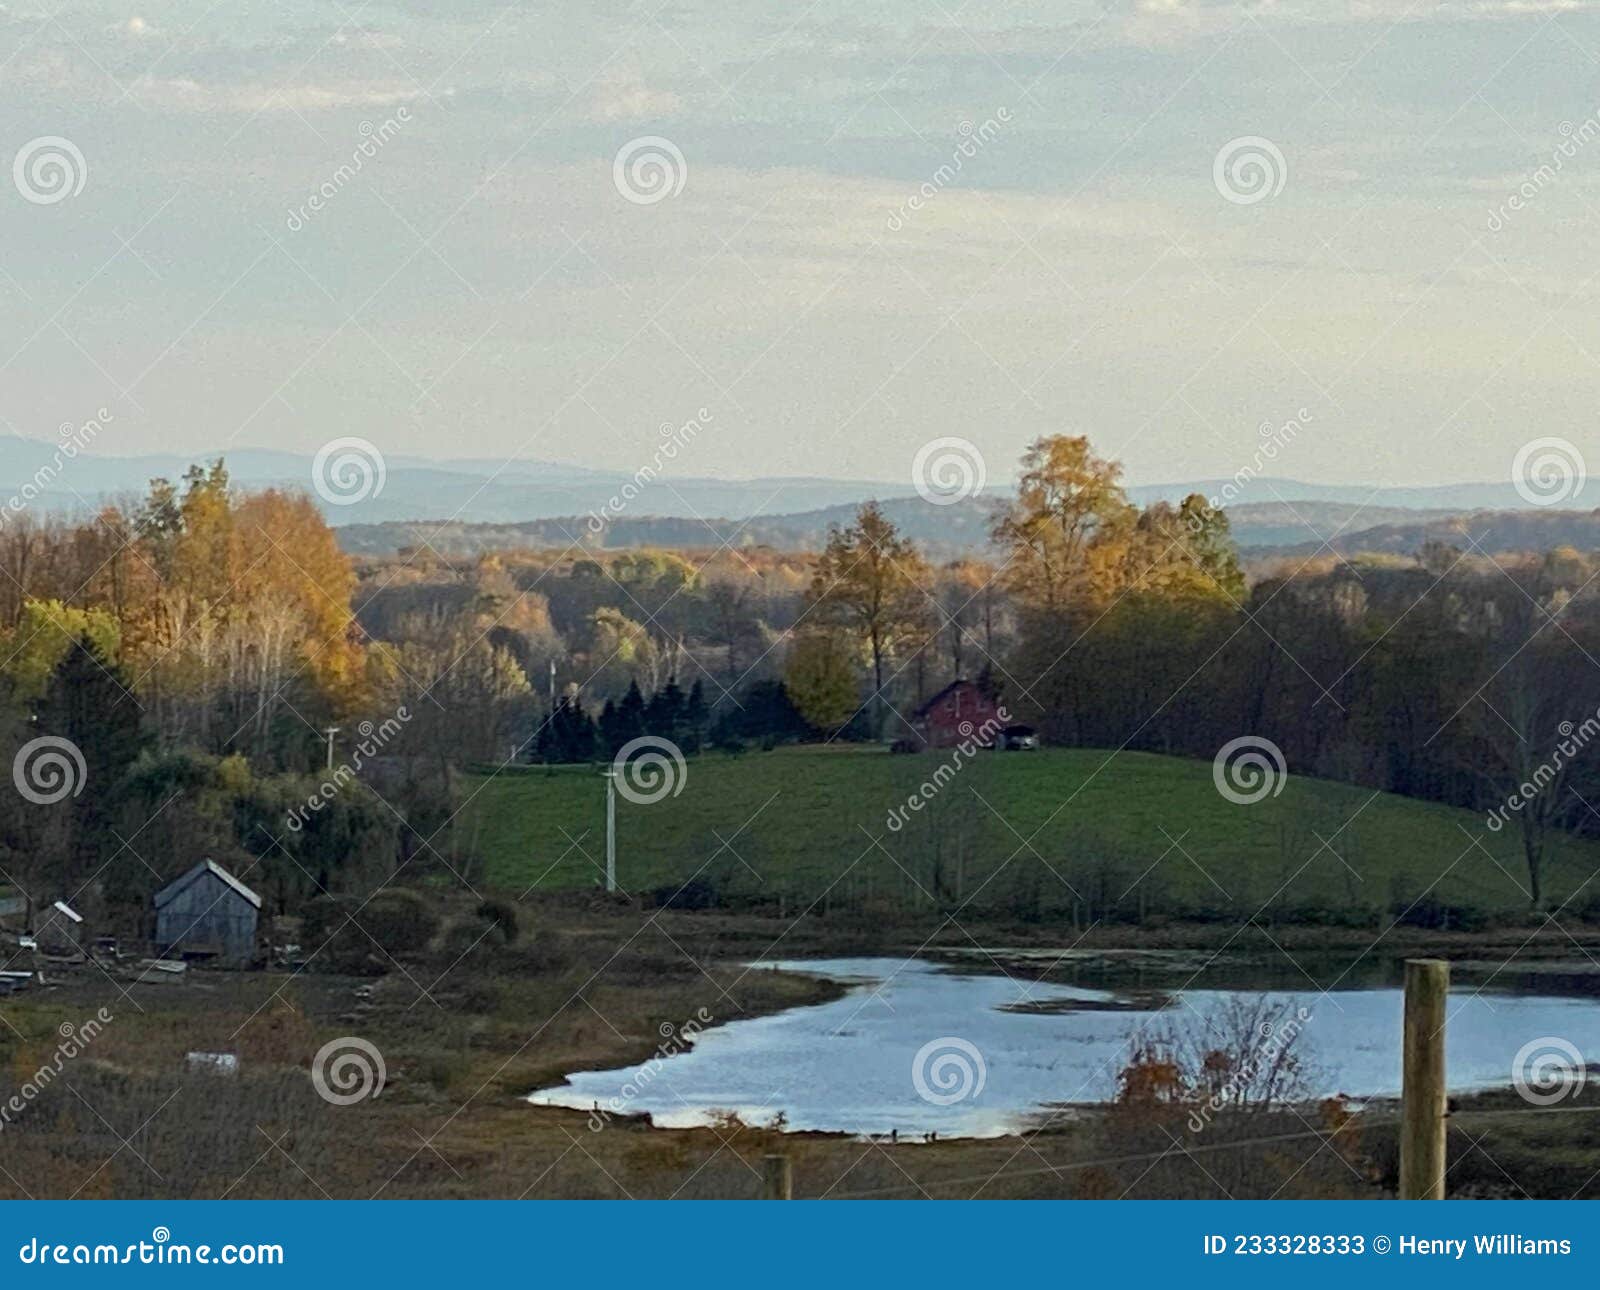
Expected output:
(463, 1040)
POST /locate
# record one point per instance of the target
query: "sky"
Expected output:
(440, 226)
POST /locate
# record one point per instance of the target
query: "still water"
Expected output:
(916, 1048)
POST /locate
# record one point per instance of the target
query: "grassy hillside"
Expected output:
(1132, 834)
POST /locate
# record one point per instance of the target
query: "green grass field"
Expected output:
(1128, 835)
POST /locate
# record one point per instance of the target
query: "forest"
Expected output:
(217, 662)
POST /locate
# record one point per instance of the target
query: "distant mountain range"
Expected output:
(471, 504)
(1263, 530)
(473, 490)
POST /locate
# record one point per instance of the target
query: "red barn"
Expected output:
(959, 712)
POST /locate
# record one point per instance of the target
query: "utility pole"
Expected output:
(330, 732)
(552, 685)
(1422, 1100)
(611, 828)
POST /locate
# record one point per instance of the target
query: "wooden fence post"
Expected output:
(1422, 1129)
(777, 1178)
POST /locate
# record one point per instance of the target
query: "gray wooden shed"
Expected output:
(208, 911)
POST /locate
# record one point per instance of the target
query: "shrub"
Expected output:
(502, 916)
(400, 921)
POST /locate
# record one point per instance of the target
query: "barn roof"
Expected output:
(181, 882)
(931, 703)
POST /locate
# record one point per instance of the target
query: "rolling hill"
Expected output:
(1128, 831)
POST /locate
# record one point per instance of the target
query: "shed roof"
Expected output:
(179, 883)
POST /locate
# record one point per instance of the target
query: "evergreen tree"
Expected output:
(630, 715)
(696, 719)
(664, 715)
(611, 739)
(569, 735)
(90, 703)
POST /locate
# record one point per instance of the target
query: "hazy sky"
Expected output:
(482, 287)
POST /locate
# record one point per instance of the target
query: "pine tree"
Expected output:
(611, 739)
(630, 715)
(664, 715)
(696, 718)
(89, 702)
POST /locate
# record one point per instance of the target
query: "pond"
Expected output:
(916, 1048)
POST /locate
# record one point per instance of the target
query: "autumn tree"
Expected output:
(1067, 497)
(870, 582)
(820, 678)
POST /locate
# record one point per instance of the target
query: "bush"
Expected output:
(701, 892)
(400, 921)
(502, 916)
(1434, 915)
